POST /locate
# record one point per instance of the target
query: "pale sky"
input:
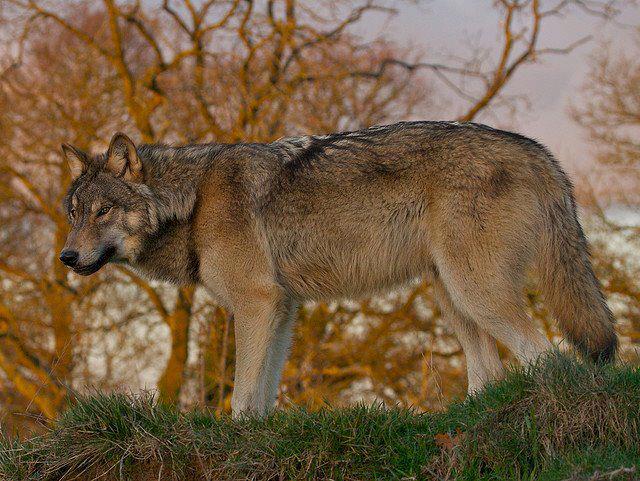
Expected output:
(442, 27)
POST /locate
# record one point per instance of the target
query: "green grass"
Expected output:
(559, 420)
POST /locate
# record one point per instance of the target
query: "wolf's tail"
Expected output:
(568, 282)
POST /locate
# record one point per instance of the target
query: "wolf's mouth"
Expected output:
(105, 257)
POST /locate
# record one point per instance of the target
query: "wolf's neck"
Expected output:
(173, 176)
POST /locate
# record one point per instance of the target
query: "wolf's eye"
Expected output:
(72, 213)
(103, 211)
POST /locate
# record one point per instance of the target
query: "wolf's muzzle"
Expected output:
(89, 269)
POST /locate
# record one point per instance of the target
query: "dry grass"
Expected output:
(559, 420)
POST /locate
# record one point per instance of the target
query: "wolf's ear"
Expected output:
(76, 160)
(123, 160)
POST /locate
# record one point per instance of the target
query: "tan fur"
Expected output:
(265, 227)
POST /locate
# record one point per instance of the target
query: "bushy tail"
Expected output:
(569, 284)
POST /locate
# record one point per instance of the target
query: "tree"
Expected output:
(188, 71)
(609, 112)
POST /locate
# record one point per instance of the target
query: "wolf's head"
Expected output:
(107, 205)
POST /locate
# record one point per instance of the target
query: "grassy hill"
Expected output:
(560, 420)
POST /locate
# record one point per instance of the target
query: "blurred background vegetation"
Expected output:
(255, 70)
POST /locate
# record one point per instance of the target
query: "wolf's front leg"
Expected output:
(262, 338)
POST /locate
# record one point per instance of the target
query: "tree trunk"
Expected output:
(224, 351)
(179, 319)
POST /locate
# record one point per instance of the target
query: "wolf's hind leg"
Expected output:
(492, 297)
(480, 349)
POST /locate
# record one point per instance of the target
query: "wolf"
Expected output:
(266, 226)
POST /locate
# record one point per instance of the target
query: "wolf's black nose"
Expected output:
(69, 258)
